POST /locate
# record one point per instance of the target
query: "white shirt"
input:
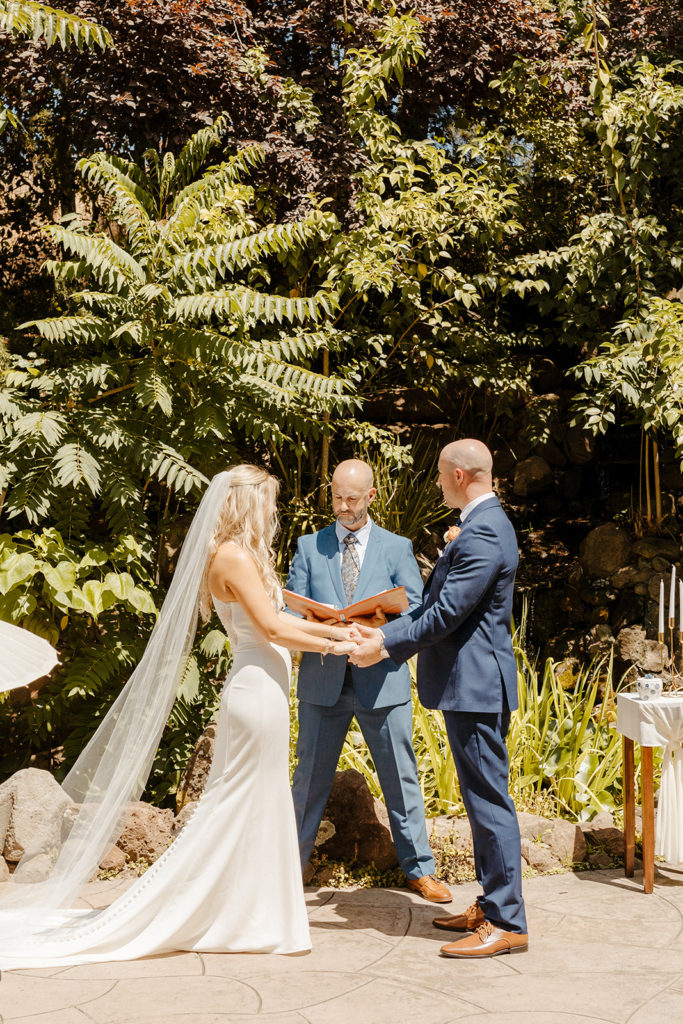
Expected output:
(473, 504)
(362, 536)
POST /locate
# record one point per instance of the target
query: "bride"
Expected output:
(231, 881)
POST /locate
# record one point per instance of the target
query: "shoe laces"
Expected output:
(472, 911)
(484, 930)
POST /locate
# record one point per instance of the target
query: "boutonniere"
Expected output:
(451, 533)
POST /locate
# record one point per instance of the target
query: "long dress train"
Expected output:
(231, 881)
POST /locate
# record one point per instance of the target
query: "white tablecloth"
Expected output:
(659, 723)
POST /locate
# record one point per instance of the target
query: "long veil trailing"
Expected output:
(113, 768)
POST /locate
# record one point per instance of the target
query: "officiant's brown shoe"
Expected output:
(486, 941)
(468, 921)
(430, 889)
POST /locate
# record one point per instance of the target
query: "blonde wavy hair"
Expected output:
(249, 518)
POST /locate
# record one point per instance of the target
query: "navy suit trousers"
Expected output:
(481, 760)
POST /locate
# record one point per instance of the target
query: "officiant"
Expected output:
(348, 561)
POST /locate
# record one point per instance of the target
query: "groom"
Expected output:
(348, 561)
(466, 667)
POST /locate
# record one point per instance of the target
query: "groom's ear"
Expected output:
(372, 494)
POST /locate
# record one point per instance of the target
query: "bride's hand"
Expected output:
(342, 646)
(342, 633)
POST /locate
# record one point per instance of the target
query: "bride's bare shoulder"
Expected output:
(230, 555)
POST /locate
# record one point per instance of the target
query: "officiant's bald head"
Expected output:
(354, 471)
(353, 491)
(465, 468)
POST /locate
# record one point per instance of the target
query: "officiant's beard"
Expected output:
(351, 519)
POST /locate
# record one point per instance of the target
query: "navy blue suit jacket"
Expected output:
(316, 572)
(462, 631)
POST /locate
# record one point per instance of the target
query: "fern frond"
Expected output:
(208, 346)
(195, 151)
(132, 204)
(70, 329)
(274, 239)
(110, 264)
(48, 426)
(206, 192)
(36, 21)
(241, 302)
(75, 465)
(151, 388)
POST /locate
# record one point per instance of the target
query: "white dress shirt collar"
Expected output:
(473, 504)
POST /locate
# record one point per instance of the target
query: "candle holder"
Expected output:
(674, 683)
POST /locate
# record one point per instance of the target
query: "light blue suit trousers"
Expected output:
(330, 694)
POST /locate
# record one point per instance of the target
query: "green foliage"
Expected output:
(94, 605)
(26, 18)
(52, 26)
(408, 502)
(422, 276)
(639, 373)
(172, 348)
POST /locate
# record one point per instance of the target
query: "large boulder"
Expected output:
(114, 860)
(634, 647)
(147, 832)
(361, 824)
(194, 778)
(32, 809)
(539, 856)
(533, 476)
(181, 820)
(653, 547)
(564, 839)
(605, 550)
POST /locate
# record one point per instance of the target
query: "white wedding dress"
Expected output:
(231, 881)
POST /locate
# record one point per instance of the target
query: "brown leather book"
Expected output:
(392, 602)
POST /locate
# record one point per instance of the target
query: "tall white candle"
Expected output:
(672, 596)
(680, 605)
(661, 607)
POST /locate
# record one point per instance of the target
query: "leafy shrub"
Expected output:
(95, 605)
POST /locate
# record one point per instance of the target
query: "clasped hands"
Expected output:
(360, 642)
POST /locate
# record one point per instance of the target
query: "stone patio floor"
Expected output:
(600, 951)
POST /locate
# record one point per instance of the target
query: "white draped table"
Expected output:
(653, 723)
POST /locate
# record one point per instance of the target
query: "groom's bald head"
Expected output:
(470, 455)
(464, 471)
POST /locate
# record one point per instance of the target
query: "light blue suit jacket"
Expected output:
(316, 573)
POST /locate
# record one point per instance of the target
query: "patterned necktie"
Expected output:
(350, 567)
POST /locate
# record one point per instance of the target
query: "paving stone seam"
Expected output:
(46, 1014)
(251, 988)
(322, 1002)
(420, 990)
(655, 996)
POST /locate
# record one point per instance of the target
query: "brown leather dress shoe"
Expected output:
(468, 921)
(486, 941)
(430, 889)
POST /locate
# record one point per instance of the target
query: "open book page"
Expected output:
(392, 602)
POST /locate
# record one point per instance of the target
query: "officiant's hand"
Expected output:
(369, 651)
(372, 621)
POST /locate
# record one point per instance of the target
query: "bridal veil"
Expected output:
(113, 768)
